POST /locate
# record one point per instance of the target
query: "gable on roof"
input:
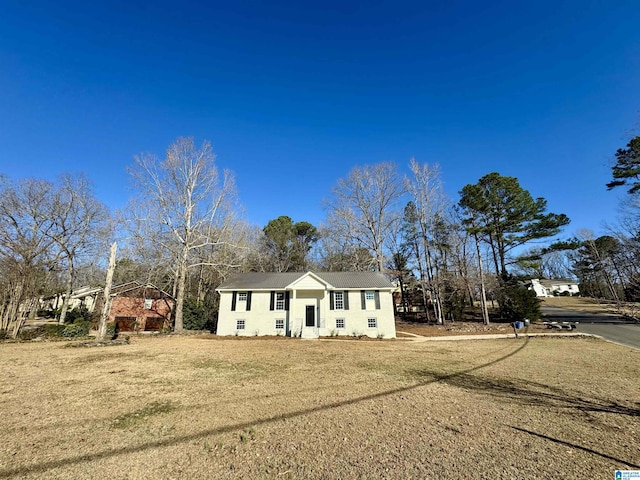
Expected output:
(309, 281)
(132, 288)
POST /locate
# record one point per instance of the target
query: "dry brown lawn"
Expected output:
(465, 328)
(198, 407)
(592, 305)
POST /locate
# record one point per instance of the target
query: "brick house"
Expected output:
(140, 307)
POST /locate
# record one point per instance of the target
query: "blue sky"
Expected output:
(293, 94)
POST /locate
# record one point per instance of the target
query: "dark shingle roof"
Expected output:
(559, 281)
(277, 281)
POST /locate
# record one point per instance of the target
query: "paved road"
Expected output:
(612, 327)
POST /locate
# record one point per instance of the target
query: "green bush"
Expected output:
(54, 330)
(3, 334)
(80, 314)
(78, 329)
(31, 333)
(193, 316)
(112, 331)
(517, 302)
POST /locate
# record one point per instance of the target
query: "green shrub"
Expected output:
(31, 333)
(517, 302)
(194, 316)
(80, 314)
(54, 330)
(112, 332)
(3, 334)
(78, 329)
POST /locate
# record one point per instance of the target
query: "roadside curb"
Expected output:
(612, 341)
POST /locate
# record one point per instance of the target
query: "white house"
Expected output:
(307, 304)
(82, 297)
(550, 288)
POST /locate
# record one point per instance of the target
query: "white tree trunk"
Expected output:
(102, 328)
(67, 296)
(182, 280)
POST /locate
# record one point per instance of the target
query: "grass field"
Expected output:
(592, 305)
(201, 407)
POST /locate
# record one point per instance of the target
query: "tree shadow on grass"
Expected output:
(529, 393)
(463, 379)
(128, 449)
(526, 392)
(573, 445)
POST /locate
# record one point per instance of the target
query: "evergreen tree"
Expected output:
(626, 171)
(506, 216)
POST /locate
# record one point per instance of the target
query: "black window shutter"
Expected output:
(273, 299)
(377, 297)
(286, 300)
(346, 300)
(248, 301)
(363, 300)
(234, 295)
(330, 300)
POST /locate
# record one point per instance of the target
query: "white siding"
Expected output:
(261, 321)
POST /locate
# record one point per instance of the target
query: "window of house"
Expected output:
(280, 301)
(242, 296)
(279, 323)
(240, 324)
(339, 322)
(338, 300)
(372, 323)
(369, 296)
(148, 303)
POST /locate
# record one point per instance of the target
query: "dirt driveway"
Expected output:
(172, 407)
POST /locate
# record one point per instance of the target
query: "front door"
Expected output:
(311, 316)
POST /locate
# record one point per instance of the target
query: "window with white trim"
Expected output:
(338, 300)
(279, 323)
(369, 296)
(280, 300)
(242, 296)
(240, 324)
(372, 323)
(339, 322)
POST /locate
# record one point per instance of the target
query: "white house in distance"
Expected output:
(307, 304)
(551, 288)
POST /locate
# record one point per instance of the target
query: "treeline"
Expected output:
(184, 232)
(50, 236)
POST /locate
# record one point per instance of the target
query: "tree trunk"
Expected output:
(494, 254)
(435, 294)
(416, 246)
(483, 296)
(67, 295)
(201, 292)
(102, 328)
(182, 280)
(13, 312)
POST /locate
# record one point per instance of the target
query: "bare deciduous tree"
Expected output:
(364, 207)
(190, 205)
(80, 227)
(25, 243)
(430, 203)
